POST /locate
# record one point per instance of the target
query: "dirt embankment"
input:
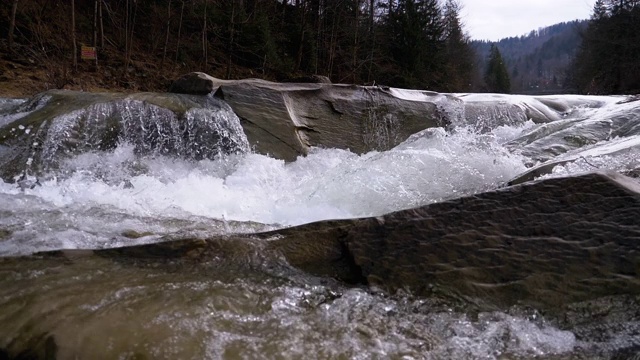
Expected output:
(24, 72)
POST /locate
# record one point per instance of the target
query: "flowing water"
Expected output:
(258, 307)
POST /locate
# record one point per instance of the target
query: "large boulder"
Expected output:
(543, 244)
(285, 120)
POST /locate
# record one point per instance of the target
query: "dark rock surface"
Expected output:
(543, 244)
(285, 119)
(567, 247)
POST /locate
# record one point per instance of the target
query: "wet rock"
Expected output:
(576, 132)
(285, 120)
(195, 83)
(310, 79)
(567, 247)
(57, 124)
(543, 244)
(132, 234)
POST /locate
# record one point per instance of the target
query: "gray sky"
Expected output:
(497, 19)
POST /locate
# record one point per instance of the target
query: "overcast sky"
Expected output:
(497, 19)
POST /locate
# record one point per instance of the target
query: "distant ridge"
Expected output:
(537, 62)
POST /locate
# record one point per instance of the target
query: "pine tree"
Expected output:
(607, 61)
(496, 77)
(459, 54)
(415, 41)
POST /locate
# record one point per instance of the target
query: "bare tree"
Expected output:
(166, 39)
(205, 41)
(179, 31)
(354, 64)
(73, 34)
(101, 24)
(12, 23)
(231, 38)
(130, 22)
(95, 22)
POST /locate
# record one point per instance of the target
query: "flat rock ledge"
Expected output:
(544, 244)
(285, 120)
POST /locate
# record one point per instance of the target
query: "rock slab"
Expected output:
(285, 120)
(542, 244)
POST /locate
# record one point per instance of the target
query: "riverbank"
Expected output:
(25, 72)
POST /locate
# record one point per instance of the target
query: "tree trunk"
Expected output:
(132, 26)
(319, 23)
(126, 35)
(101, 25)
(73, 34)
(179, 31)
(95, 23)
(12, 23)
(354, 59)
(95, 28)
(205, 44)
(303, 23)
(166, 39)
(372, 37)
(231, 38)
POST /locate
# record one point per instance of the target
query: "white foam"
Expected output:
(327, 184)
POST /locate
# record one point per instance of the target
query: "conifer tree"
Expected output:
(607, 61)
(459, 54)
(416, 35)
(496, 77)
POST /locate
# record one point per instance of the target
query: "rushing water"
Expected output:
(257, 307)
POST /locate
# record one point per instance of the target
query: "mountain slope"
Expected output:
(537, 62)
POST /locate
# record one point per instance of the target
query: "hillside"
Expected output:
(142, 45)
(537, 62)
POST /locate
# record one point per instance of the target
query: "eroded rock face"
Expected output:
(544, 244)
(285, 120)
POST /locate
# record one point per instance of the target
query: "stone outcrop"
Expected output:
(285, 120)
(543, 244)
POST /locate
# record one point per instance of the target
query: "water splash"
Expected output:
(198, 133)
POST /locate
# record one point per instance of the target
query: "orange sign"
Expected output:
(88, 53)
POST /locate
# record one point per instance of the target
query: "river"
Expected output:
(252, 306)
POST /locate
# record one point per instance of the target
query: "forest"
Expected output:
(608, 60)
(143, 45)
(537, 62)
(407, 43)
